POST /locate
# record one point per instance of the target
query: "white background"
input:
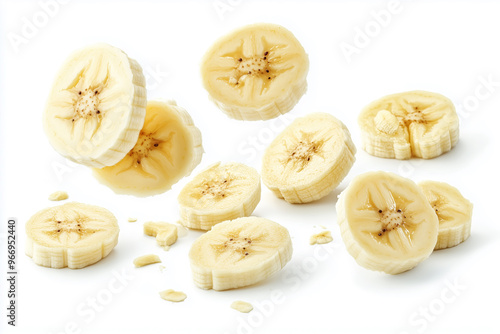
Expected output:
(447, 47)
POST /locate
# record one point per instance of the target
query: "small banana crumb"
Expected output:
(173, 296)
(242, 306)
(132, 220)
(321, 238)
(58, 196)
(145, 260)
(166, 248)
(162, 268)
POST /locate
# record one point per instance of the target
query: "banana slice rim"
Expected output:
(442, 189)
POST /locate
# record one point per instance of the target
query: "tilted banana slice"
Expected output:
(453, 210)
(169, 148)
(308, 159)
(386, 222)
(410, 124)
(257, 72)
(72, 235)
(239, 252)
(221, 192)
(96, 106)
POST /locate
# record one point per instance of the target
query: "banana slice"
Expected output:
(239, 252)
(411, 124)
(257, 72)
(221, 192)
(72, 235)
(386, 222)
(169, 148)
(453, 210)
(96, 106)
(308, 159)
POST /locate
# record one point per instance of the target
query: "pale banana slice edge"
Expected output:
(453, 211)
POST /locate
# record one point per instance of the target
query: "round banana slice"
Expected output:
(410, 124)
(72, 235)
(308, 159)
(257, 72)
(96, 106)
(453, 210)
(386, 222)
(221, 192)
(169, 148)
(239, 253)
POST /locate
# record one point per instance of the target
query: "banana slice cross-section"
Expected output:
(96, 107)
(221, 192)
(72, 235)
(239, 253)
(169, 148)
(308, 159)
(410, 124)
(386, 222)
(453, 210)
(257, 72)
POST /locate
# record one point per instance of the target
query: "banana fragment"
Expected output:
(173, 296)
(221, 192)
(239, 252)
(146, 260)
(321, 238)
(410, 124)
(72, 235)
(257, 72)
(453, 210)
(96, 107)
(386, 222)
(241, 306)
(169, 148)
(308, 159)
(165, 233)
(58, 196)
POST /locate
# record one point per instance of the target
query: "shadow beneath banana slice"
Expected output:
(437, 268)
(314, 211)
(471, 147)
(331, 198)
